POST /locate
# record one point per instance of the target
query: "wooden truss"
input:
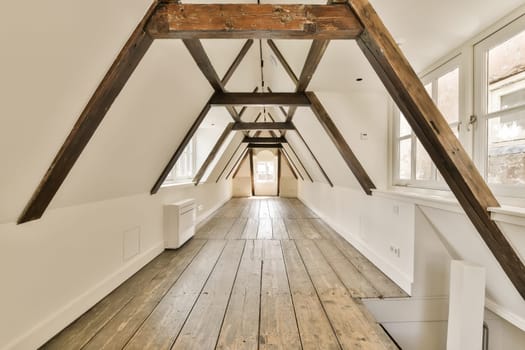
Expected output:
(355, 19)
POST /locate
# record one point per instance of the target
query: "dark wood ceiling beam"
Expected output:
(264, 140)
(200, 57)
(325, 175)
(313, 59)
(178, 152)
(240, 57)
(238, 162)
(215, 150)
(240, 166)
(289, 165)
(89, 120)
(253, 21)
(434, 133)
(230, 160)
(259, 99)
(265, 145)
(340, 143)
(283, 62)
(295, 165)
(262, 126)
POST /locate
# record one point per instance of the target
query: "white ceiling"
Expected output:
(52, 63)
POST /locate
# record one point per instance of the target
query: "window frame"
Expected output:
(171, 178)
(436, 182)
(480, 63)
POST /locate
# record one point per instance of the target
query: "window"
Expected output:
(500, 107)
(413, 165)
(264, 172)
(184, 169)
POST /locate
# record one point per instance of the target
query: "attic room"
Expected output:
(262, 174)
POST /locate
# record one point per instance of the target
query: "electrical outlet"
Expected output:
(396, 209)
(364, 136)
(395, 251)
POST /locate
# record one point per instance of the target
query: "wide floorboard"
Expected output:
(262, 273)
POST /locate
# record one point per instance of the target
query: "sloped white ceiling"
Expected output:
(55, 53)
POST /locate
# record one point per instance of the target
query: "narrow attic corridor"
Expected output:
(260, 274)
(354, 172)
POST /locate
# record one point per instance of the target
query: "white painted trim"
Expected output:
(505, 313)
(402, 279)
(53, 324)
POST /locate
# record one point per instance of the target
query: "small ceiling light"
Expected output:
(359, 79)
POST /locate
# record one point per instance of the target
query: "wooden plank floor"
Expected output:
(262, 273)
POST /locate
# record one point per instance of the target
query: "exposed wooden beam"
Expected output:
(215, 150)
(259, 99)
(262, 126)
(300, 162)
(313, 59)
(229, 161)
(240, 166)
(237, 163)
(244, 50)
(279, 173)
(325, 175)
(435, 135)
(196, 50)
(264, 140)
(253, 21)
(283, 62)
(290, 160)
(290, 166)
(251, 171)
(265, 145)
(340, 143)
(178, 152)
(89, 120)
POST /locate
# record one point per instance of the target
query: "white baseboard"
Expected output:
(399, 277)
(50, 326)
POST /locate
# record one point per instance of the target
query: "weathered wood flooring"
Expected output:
(260, 274)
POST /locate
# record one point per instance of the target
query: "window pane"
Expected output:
(265, 172)
(448, 95)
(423, 163)
(506, 149)
(506, 74)
(405, 159)
(404, 128)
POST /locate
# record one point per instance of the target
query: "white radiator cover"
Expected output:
(179, 223)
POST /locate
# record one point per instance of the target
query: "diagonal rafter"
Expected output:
(215, 150)
(340, 143)
(434, 133)
(289, 165)
(203, 62)
(90, 118)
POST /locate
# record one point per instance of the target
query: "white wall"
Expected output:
(54, 269)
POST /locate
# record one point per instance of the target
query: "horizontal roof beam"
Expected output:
(263, 126)
(264, 140)
(173, 20)
(259, 99)
(265, 145)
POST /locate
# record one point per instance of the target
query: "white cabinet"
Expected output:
(179, 223)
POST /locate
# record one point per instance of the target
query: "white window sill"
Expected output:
(511, 211)
(175, 185)
(508, 214)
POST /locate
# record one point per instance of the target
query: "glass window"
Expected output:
(415, 167)
(264, 172)
(184, 169)
(500, 69)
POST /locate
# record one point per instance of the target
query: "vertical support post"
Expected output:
(278, 172)
(251, 171)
